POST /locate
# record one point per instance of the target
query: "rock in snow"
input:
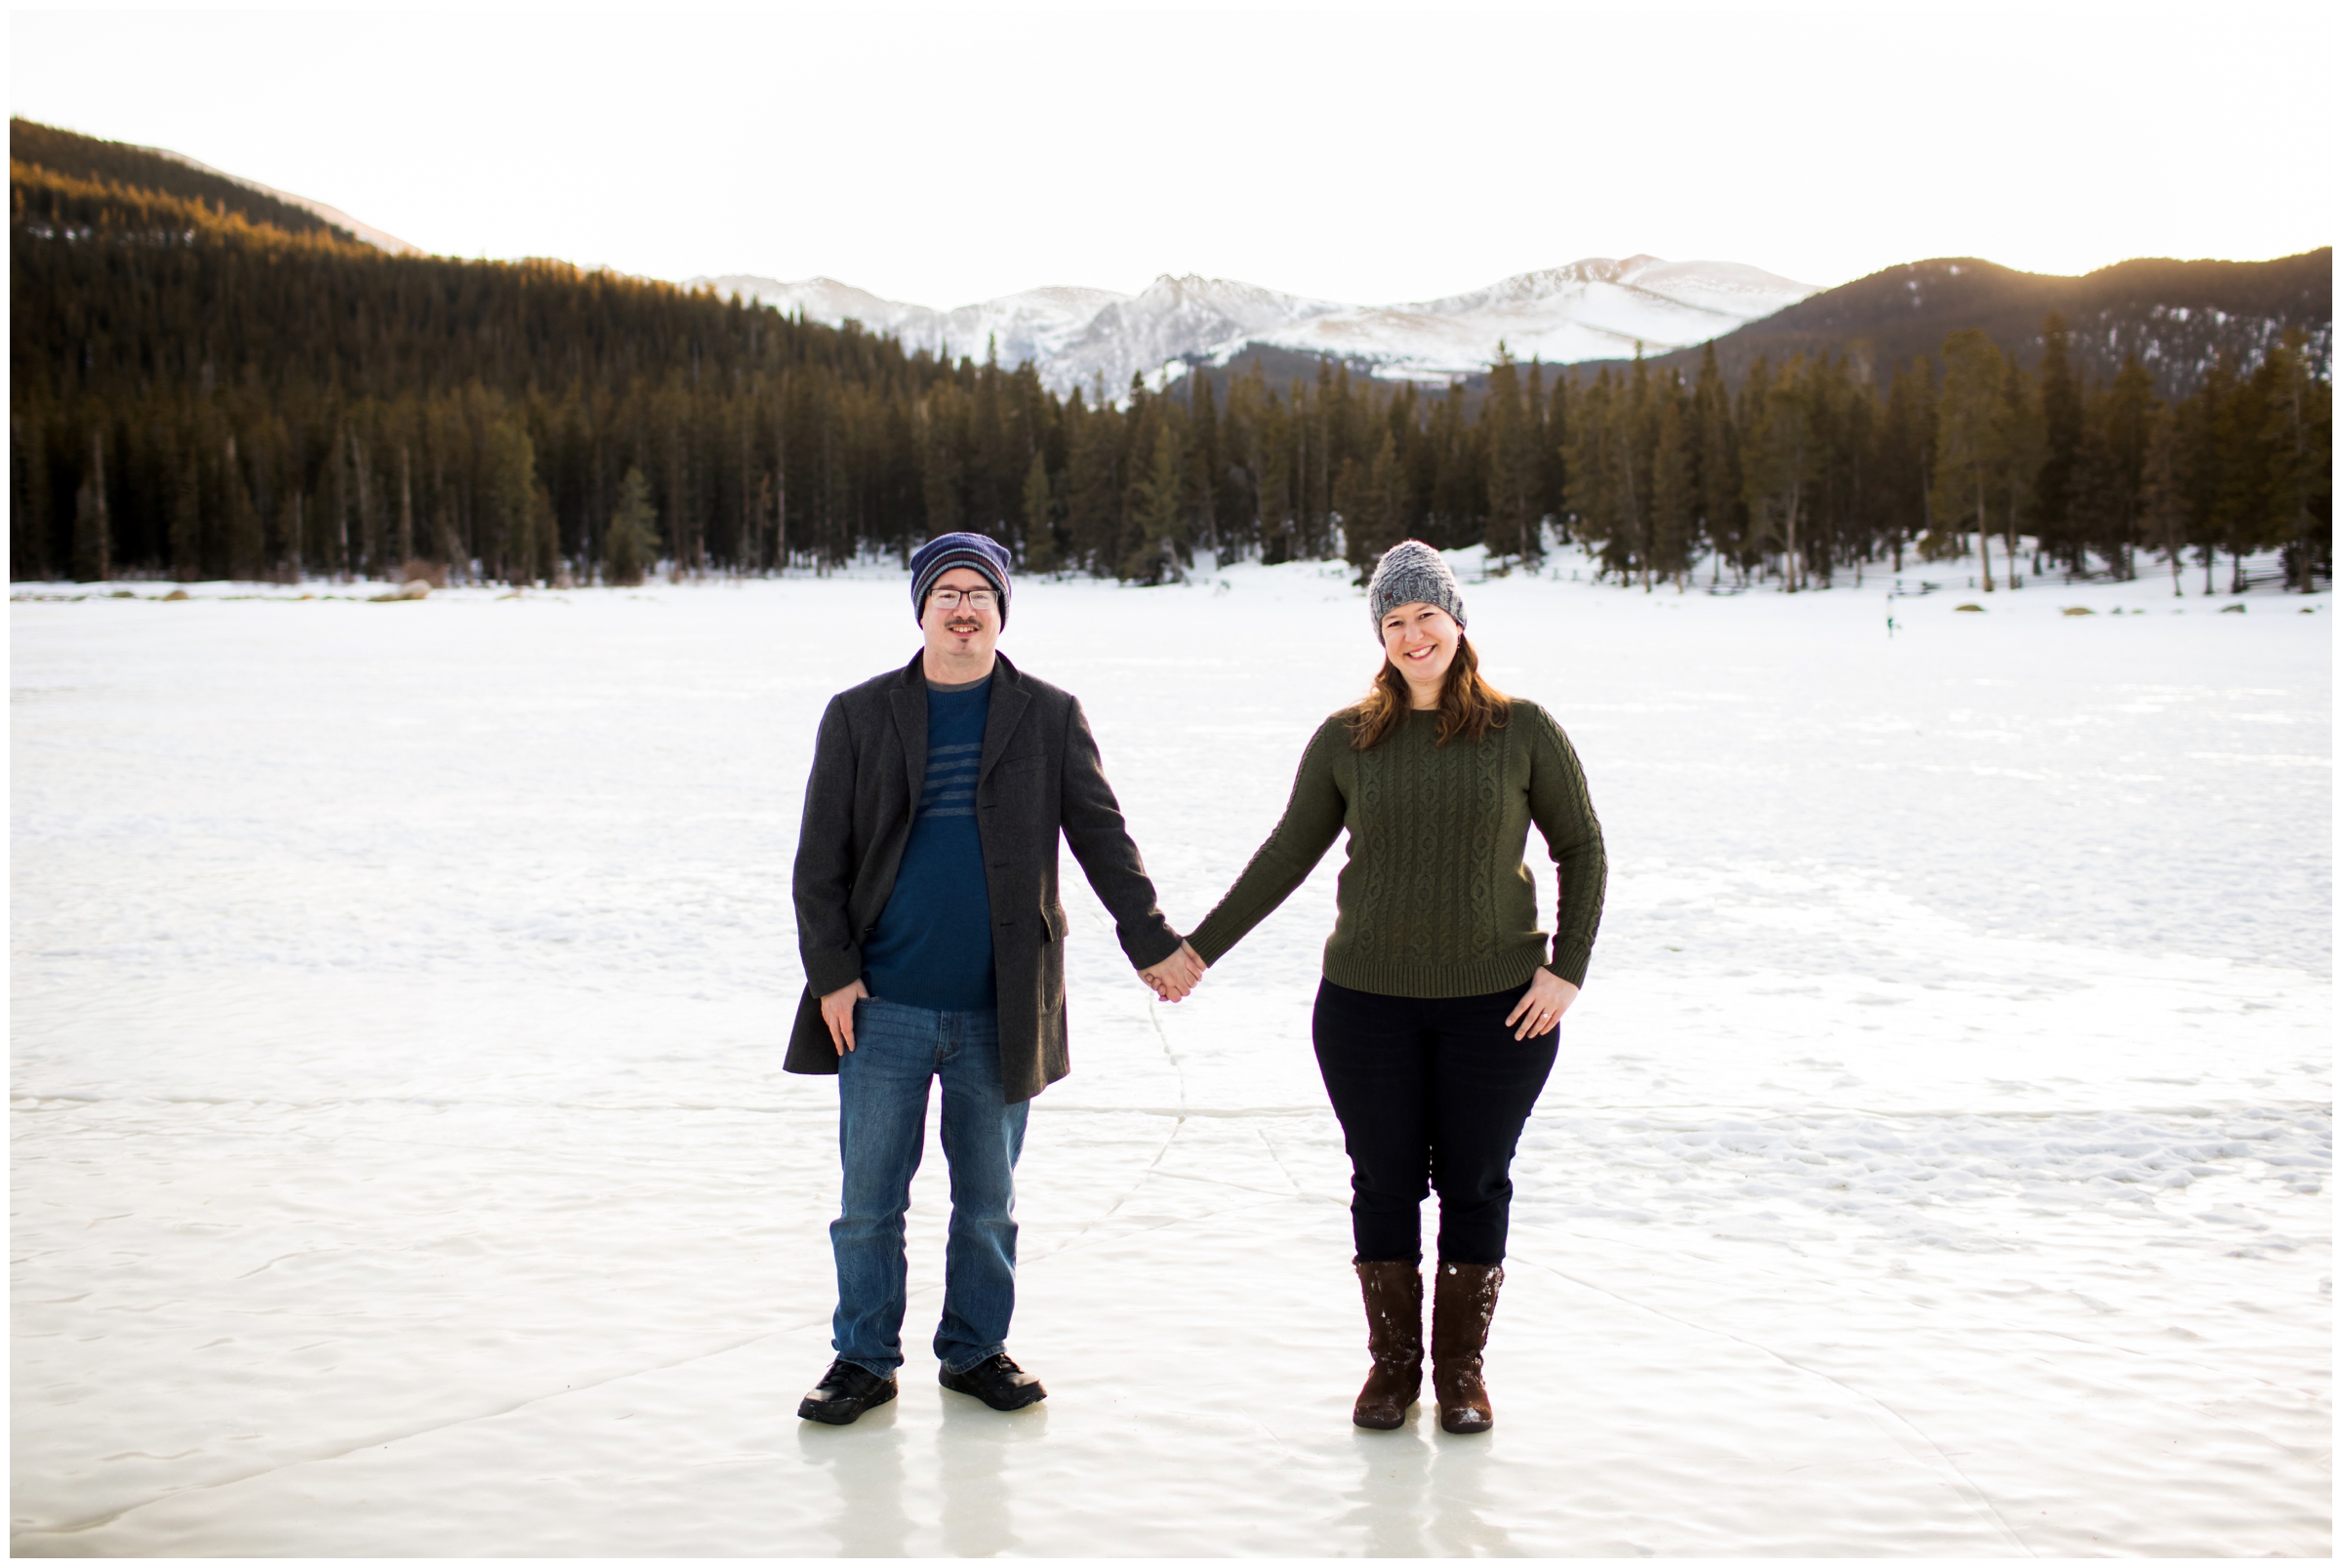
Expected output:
(1596, 308)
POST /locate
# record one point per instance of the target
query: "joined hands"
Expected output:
(1176, 975)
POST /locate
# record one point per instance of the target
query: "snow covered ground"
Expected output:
(1937, 1162)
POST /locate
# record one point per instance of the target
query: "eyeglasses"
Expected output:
(953, 598)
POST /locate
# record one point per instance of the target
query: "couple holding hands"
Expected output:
(934, 948)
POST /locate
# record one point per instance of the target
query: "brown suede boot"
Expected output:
(1463, 1304)
(1393, 1294)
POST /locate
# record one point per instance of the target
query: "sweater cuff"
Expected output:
(1570, 960)
(1213, 938)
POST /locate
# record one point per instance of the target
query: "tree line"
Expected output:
(198, 394)
(1808, 470)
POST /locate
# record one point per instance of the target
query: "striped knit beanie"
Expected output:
(945, 551)
(1411, 571)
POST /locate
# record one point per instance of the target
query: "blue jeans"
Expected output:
(881, 1130)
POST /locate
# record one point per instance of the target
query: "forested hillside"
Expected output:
(201, 391)
(88, 158)
(2176, 318)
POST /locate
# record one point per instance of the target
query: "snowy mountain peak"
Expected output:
(1240, 300)
(1035, 324)
(1595, 308)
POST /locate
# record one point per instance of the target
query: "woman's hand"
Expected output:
(1539, 1008)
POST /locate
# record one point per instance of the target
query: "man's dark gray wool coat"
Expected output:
(1039, 775)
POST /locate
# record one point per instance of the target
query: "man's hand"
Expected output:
(1175, 976)
(1539, 1008)
(837, 1011)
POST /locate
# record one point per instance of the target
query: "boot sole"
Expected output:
(1025, 1399)
(835, 1413)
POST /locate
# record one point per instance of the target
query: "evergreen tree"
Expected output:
(1153, 554)
(1554, 454)
(1908, 458)
(1721, 510)
(2163, 489)
(1275, 445)
(2208, 453)
(1201, 482)
(1514, 477)
(2242, 506)
(2109, 471)
(1371, 499)
(242, 544)
(509, 546)
(1782, 461)
(2019, 444)
(1458, 489)
(2061, 444)
(633, 547)
(1040, 518)
(2297, 440)
(1637, 439)
(1971, 423)
(1672, 493)
(1596, 489)
(1093, 503)
(92, 533)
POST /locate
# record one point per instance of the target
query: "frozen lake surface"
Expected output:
(1936, 1164)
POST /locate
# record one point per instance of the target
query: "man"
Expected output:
(934, 948)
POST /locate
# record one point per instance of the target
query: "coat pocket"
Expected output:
(1053, 924)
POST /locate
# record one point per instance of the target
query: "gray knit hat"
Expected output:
(1411, 571)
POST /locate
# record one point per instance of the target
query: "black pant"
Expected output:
(1432, 1093)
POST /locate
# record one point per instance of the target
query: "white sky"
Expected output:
(1353, 153)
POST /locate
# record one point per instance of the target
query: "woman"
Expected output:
(1435, 1019)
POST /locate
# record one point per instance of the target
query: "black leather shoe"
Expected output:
(844, 1393)
(999, 1382)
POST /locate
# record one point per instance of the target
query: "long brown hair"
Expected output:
(1469, 705)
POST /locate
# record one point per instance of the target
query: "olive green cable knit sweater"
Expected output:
(1435, 899)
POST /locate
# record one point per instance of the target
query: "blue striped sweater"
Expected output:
(933, 947)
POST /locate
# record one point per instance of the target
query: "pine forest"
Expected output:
(203, 390)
